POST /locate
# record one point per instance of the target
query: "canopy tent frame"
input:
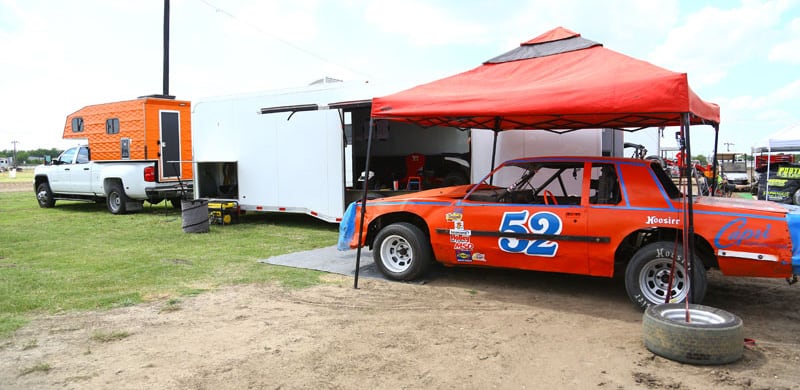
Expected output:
(443, 103)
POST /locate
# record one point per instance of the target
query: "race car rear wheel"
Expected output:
(647, 276)
(401, 251)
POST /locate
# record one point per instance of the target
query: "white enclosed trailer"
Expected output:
(303, 150)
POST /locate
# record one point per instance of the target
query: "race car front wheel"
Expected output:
(401, 251)
(647, 276)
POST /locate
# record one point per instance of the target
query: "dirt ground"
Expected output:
(461, 329)
(15, 186)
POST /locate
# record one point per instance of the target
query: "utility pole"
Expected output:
(728, 145)
(15, 152)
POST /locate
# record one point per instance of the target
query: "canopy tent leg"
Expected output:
(715, 167)
(496, 130)
(688, 212)
(363, 202)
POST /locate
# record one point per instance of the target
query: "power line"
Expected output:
(284, 41)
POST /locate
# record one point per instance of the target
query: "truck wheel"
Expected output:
(712, 336)
(176, 203)
(401, 251)
(116, 199)
(647, 276)
(44, 196)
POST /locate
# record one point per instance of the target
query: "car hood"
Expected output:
(455, 192)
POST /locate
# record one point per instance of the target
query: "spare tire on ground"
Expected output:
(713, 336)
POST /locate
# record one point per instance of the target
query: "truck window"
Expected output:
(68, 156)
(83, 156)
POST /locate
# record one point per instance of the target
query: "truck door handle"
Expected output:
(86, 169)
(66, 169)
(573, 214)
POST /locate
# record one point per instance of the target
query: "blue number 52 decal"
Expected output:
(543, 222)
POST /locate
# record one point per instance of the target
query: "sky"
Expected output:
(59, 56)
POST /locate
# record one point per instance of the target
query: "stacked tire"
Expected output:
(711, 337)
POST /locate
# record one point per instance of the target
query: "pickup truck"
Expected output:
(124, 184)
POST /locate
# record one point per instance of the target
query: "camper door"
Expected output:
(170, 135)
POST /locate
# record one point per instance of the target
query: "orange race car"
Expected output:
(596, 216)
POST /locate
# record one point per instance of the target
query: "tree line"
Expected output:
(29, 157)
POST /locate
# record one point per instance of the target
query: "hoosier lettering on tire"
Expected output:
(713, 336)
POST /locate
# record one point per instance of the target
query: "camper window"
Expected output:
(77, 125)
(112, 126)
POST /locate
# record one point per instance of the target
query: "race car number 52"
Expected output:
(543, 222)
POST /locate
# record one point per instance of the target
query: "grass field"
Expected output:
(24, 176)
(78, 256)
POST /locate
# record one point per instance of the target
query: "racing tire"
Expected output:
(454, 179)
(402, 251)
(647, 276)
(659, 159)
(116, 200)
(45, 196)
(712, 336)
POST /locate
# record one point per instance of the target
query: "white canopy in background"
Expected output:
(784, 140)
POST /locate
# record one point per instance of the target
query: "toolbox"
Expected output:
(223, 212)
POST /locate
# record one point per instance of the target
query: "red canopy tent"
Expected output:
(557, 82)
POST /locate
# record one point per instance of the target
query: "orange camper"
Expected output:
(147, 128)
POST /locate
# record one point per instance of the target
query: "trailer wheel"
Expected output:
(712, 336)
(45, 196)
(116, 199)
(401, 251)
(647, 276)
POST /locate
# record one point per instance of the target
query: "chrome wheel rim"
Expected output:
(396, 253)
(114, 201)
(697, 316)
(42, 196)
(654, 281)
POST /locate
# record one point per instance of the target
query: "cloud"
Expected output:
(712, 41)
(788, 50)
(424, 24)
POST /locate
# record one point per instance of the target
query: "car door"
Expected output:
(61, 171)
(528, 230)
(81, 174)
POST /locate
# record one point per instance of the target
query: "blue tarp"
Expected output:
(793, 220)
(347, 227)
